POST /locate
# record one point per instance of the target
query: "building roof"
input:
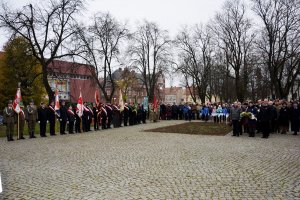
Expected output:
(65, 67)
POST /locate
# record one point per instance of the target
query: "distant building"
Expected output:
(69, 78)
(174, 95)
(136, 89)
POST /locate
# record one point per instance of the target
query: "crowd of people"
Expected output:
(263, 116)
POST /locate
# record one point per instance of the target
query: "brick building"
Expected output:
(69, 78)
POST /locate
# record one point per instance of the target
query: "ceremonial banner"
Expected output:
(57, 106)
(18, 99)
(97, 97)
(145, 103)
(80, 106)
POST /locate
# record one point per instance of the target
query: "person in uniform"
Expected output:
(90, 117)
(116, 116)
(31, 118)
(71, 120)
(77, 122)
(126, 114)
(42, 119)
(9, 119)
(51, 118)
(95, 115)
(21, 122)
(103, 114)
(63, 117)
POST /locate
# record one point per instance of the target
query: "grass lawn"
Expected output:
(195, 128)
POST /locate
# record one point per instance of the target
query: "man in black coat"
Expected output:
(264, 117)
(71, 120)
(295, 118)
(95, 113)
(103, 114)
(109, 111)
(42, 119)
(63, 117)
(126, 114)
(51, 118)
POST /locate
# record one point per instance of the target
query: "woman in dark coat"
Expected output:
(295, 118)
(284, 118)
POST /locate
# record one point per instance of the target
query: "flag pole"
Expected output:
(19, 86)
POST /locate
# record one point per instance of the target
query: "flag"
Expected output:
(17, 101)
(80, 105)
(57, 106)
(121, 102)
(97, 97)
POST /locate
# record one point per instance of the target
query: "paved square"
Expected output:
(127, 163)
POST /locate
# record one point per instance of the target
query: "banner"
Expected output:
(57, 106)
(17, 101)
(145, 103)
(80, 106)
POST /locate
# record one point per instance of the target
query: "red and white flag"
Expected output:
(57, 106)
(97, 97)
(18, 99)
(80, 106)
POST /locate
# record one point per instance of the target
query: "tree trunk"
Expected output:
(47, 85)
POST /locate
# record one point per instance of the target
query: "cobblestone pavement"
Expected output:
(127, 163)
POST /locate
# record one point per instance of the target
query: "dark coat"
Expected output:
(284, 116)
(42, 114)
(295, 119)
(63, 113)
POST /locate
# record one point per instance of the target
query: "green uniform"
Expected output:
(9, 120)
(31, 118)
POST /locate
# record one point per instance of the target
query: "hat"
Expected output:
(10, 101)
(31, 101)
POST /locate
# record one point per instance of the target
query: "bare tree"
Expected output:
(279, 42)
(195, 51)
(150, 52)
(47, 28)
(100, 47)
(233, 31)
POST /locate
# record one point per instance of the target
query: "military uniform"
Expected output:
(31, 118)
(9, 119)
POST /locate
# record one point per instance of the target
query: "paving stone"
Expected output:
(127, 163)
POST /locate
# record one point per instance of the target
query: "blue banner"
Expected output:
(145, 103)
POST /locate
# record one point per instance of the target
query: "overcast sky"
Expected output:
(169, 14)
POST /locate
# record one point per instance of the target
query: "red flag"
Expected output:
(80, 105)
(97, 97)
(18, 99)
